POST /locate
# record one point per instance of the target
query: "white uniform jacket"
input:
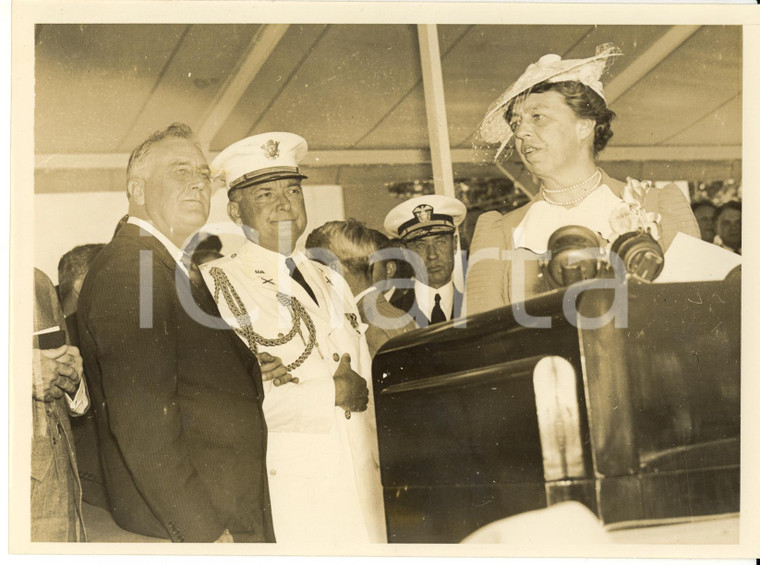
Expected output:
(324, 476)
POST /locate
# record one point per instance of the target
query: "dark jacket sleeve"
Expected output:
(138, 367)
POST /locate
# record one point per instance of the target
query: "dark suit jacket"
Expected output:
(84, 430)
(178, 404)
(404, 299)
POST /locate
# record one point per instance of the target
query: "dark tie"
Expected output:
(437, 315)
(194, 273)
(198, 289)
(297, 276)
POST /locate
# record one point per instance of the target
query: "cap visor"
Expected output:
(269, 177)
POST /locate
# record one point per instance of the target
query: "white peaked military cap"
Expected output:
(549, 68)
(260, 158)
(425, 215)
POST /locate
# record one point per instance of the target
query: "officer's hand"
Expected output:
(273, 369)
(351, 392)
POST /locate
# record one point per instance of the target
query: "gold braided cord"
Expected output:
(237, 308)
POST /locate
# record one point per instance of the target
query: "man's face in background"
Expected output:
(705, 216)
(729, 227)
(437, 252)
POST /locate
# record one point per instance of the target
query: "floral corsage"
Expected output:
(631, 216)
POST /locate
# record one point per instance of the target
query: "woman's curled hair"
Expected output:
(586, 104)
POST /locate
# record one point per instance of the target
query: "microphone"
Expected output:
(641, 254)
(575, 254)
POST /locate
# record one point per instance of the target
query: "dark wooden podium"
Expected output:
(483, 418)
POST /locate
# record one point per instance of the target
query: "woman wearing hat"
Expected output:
(556, 118)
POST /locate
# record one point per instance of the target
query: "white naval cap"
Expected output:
(261, 158)
(425, 215)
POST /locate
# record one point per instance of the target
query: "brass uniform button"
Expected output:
(336, 357)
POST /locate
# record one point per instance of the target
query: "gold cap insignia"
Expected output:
(271, 149)
(423, 212)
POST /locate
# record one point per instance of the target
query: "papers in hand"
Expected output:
(690, 259)
(48, 338)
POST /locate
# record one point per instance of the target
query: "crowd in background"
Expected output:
(721, 225)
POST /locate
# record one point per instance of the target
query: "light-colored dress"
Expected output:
(543, 219)
(520, 235)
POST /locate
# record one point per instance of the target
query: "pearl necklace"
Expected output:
(575, 200)
(573, 187)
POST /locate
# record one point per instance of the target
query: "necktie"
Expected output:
(437, 315)
(198, 288)
(297, 276)
(193, 272)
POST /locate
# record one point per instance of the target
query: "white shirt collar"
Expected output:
(425, 296)
(173, 250)
(363, 293)
(388, 293)
(271, 259)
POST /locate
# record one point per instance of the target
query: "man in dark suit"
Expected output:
(72, 269)
(177, 396)
(427, 227)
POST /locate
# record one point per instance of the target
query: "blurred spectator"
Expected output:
(72, 268)
(399, 272)
(57, 391)
(728, 227)
(353, 245)
(204, 248)
(390, 265)
(705, 213)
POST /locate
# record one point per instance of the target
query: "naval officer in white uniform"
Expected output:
(324, 477)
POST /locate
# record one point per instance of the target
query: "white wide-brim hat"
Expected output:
(552, 68)
(260, 158)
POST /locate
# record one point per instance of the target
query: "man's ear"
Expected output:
(136, 191)
(78, 285)
(390, 269)
(233, 211)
